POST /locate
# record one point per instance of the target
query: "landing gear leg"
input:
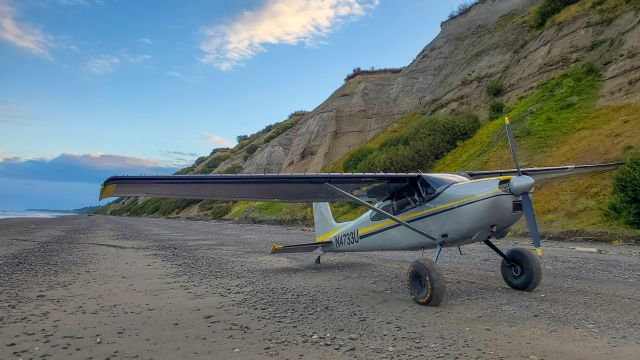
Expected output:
(436, 253)
(520, 268)
(317, 262)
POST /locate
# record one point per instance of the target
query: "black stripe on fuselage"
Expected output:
(429, 215)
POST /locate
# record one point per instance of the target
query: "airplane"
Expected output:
(415, 211)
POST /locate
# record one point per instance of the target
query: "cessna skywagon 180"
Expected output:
(415, 211)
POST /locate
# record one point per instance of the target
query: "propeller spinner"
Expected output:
(522, 185)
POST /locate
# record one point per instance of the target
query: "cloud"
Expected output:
(6, 155)
(217, 140)
(90, 168)
(277, 22)
(103, 64)
(80, 2)
(178, 159)
(181, 76)
(13, 114)
(146, 40)
(134, 59)
(22, 35)
(180, 153)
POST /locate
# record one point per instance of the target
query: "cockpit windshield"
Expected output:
(439, 182)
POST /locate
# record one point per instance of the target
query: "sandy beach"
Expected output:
(119, 288)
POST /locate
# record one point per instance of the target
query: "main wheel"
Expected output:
(426, 282)
(525, 273)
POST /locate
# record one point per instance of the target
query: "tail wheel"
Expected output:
(525, 271)
(426, 282)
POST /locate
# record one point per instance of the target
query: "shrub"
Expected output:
(241, 138)
(251, 148)
(417, 148)
(213, 163)
(625, 200)
(547, 10)
(358, 71)
(355, 158)
(494, 88)
(281, 128)
(297, 113)
(496, 108)
(217, 209)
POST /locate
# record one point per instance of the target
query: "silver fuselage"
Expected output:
(463, 213)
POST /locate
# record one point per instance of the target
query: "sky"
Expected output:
(92, 88)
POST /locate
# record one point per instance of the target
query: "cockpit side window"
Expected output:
(403, 200)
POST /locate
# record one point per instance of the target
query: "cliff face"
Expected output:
(492, 41)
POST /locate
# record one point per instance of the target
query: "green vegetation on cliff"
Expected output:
(416, 147)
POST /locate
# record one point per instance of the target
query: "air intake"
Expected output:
(517, 206)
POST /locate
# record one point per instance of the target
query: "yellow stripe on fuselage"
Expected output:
(416, 214)
(327, 235)
(413, 215)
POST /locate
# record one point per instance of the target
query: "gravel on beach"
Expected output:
(109, 288)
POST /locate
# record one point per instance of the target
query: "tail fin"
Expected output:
(323, 220)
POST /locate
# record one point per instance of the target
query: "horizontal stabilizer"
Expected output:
(300, 248)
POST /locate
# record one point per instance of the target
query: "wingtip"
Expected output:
(539, 251)
(107, 191)
(506, 120)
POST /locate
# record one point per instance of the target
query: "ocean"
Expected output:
(31, 214)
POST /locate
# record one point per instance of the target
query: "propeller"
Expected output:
(521, 185)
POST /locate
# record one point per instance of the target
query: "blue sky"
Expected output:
(130, 87)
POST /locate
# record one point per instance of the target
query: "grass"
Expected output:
(607, 135)
(539, 121)
(271, 213)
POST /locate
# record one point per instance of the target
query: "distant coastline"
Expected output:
(44, 213)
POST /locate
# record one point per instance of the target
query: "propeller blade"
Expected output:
(530, 216)
(512, 144)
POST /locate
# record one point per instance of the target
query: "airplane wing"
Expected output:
(547, 173)
(258, 187)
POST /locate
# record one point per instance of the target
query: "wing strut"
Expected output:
(383, 213)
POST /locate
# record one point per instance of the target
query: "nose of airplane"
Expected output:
(519, 185)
